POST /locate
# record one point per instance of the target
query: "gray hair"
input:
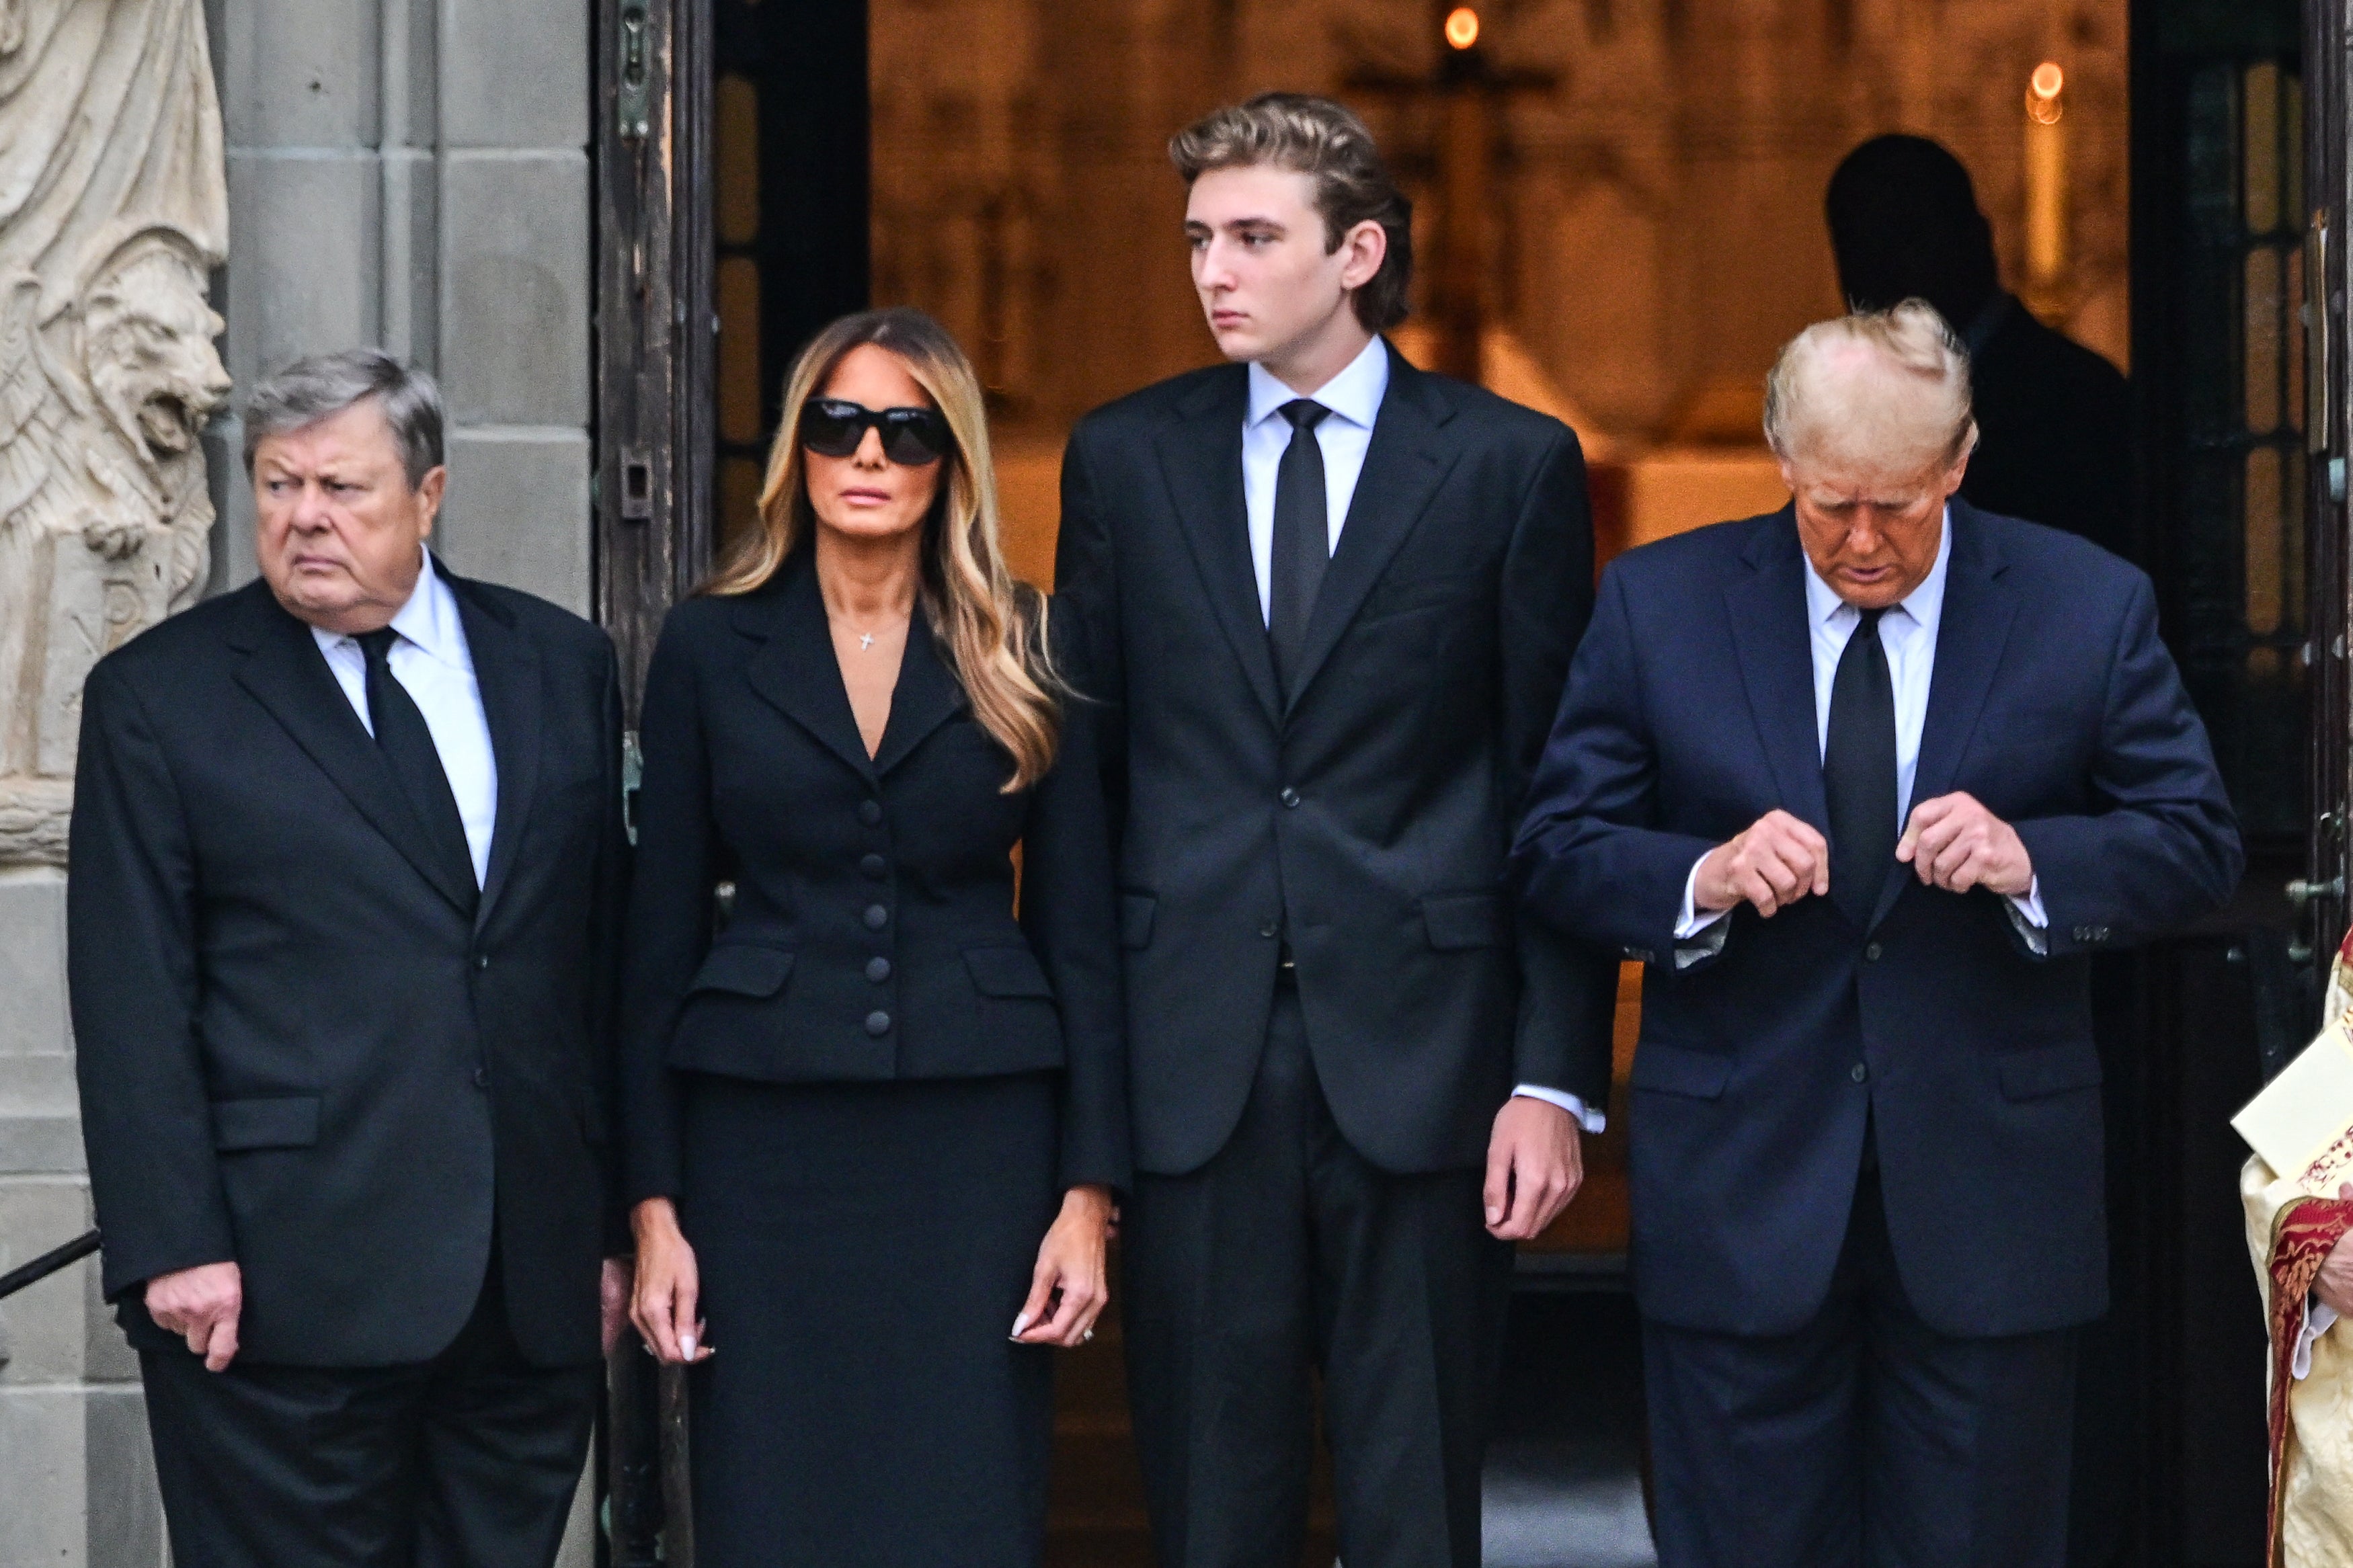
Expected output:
(1912, 338)
(311, 389)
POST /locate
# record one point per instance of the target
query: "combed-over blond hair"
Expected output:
(991, 626)
(1918, 405)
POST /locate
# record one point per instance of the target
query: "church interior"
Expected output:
(1618, 217)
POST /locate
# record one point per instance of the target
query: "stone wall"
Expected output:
(412, 174)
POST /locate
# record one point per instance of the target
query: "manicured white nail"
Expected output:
(686, 1343)
(1020, 1322)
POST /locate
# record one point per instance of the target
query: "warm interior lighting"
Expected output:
(2042, 94)
(1462, 26)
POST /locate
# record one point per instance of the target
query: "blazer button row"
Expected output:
(869, 812)
(877, 917)
(878, 1023)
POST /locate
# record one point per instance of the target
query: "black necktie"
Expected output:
(1859, 773)
(402, 736)
(1303, 539)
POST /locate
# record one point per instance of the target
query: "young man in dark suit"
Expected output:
(1326, 603)
(346, 861)
(1865, 782)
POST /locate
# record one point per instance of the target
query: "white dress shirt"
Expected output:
(1908, 632)
(1344, 435)
(432, 663)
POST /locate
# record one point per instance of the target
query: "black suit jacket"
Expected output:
(296, 1051)
(1369, 817)
(874, 934)
(1690, 713)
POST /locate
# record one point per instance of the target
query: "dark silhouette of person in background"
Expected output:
(2055, 419)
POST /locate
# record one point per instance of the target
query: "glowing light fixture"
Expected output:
(2042, 94)
(1463, 28)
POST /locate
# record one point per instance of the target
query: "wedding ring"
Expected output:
(1085, 1337)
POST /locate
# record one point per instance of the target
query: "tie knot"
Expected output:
(1871, 617)
(377, 644)
(1302, 413)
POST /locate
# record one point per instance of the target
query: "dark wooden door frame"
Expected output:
(654, 318)
(2329, 846)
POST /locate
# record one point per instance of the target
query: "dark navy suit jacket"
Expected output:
(1689, 714)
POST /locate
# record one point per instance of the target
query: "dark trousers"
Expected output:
(468, 1460)
(1867, 1437)
(1289, 1253)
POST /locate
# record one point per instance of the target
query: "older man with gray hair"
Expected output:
(347, 855)
(1864, 782)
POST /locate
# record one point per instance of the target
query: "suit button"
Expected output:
(481, 961)
(1268, 927)
(1858, 1072)
(481, 1077)
(876, 867)
(878, 1023)
(877, 917)
(1871, 952)
(1290, 798)
(2084, 933)
(869, 812)
(878, 969)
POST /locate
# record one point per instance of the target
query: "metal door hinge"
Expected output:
(635, 98)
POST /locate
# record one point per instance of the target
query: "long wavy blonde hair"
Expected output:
(991, 626)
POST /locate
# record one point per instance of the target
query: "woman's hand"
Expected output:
(668, 1286)
(1068, 1291)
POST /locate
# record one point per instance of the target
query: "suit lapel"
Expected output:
(1201, 460)
(1972, 630)
(1403, 465)
(926, 697)
(507, 674)
(795, 670)
(1773, 643)
(285, 672)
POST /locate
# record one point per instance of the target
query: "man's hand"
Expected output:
(1534, 1165)
(619, 1279)
(200, 1304)
(2333, 1288)
(1956, 843)
(1776, 860)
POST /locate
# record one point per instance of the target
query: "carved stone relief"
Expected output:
(113, 213)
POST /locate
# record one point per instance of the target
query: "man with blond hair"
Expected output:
(1864, 782)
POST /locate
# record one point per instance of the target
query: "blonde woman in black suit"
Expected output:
(874, 1125)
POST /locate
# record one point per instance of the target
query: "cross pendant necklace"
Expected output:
(865, 641)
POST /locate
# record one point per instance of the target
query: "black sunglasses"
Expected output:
(832, 427)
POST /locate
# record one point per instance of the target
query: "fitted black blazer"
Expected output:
(872, 934)
(297, 1050)
(1369, 817)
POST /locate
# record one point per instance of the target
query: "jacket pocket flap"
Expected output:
(1007, 972)
(744, 969)
(1678, 1069)
(287, 1121)
(1135, 912)
(1457, 921)
(2048, 1069)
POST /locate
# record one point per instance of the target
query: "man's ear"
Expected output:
(1366, 246)
(428, 499)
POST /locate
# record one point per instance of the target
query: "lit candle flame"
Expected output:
(1461, 27)
(2042, 94)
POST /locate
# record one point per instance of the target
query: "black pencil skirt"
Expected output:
(863, 1249)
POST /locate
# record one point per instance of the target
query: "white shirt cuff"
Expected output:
(1698, 935)
(2026, 912)
(2317, 1319)
(1591, 1121)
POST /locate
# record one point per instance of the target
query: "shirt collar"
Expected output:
(1925, 604)
(1355, 394)
(429, 618)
